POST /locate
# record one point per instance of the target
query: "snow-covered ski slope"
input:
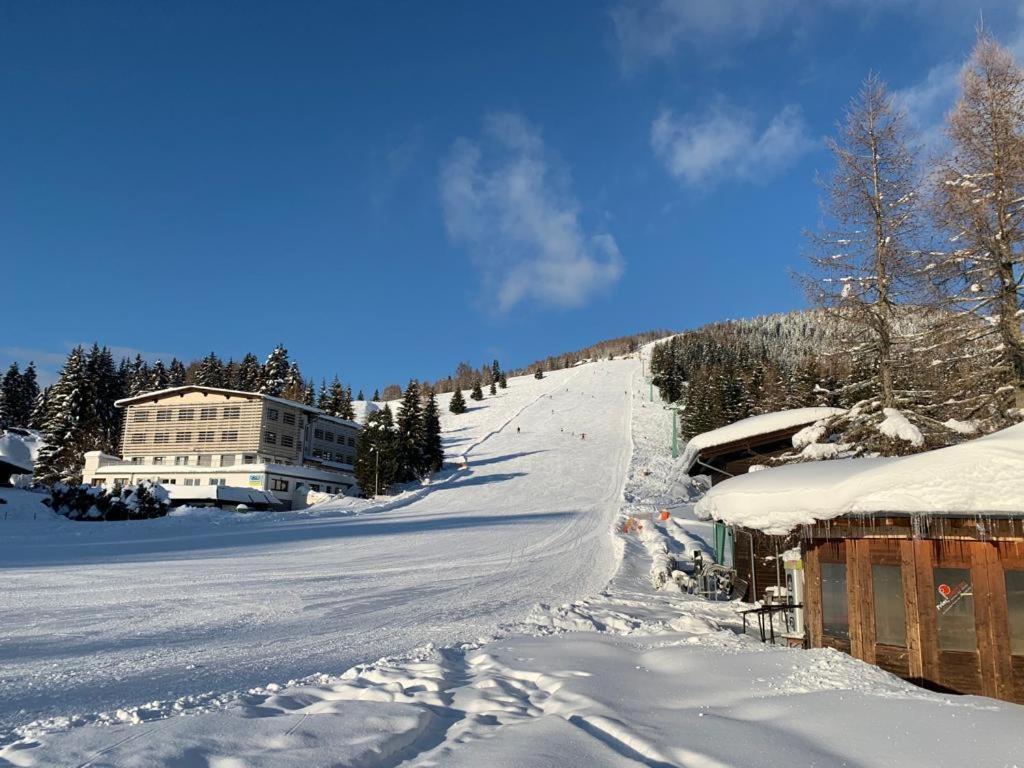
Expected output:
(98, 616)
(637, 675)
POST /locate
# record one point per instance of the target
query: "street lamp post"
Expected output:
(376, 471)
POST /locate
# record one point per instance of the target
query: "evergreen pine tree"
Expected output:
(323, 399)
(211, 372)
(346, 411)
(175, 373)
(249, 373)
(71, 426)
(411, 434)
(477, 393)
(40, 410)
(158, 376)
(376, 396)
(274, 375)
(495, 372)
(309, 395)
(294, 385)
(457, 404)
(336, 398)
(106, 389)
(503, 381)
(360, 397)
(494, 388)
(29, 393)
(376, 466)
(138, 376)
(10, 393)
(539, 374)
(433, 450)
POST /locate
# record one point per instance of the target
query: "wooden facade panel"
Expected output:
(960, 672)
(893, 659)
(1017, 675)
(812, 589)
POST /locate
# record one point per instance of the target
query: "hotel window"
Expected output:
(352, 442)
(1015, 610)
(227, 459)
(341, 439)
(890, 611)
(205, 461)
(272, 414)
(181, 461)
(954, 604)
(287, 441)
(329, 437)
(158, 459)
(140, 416)
(138, 460)
(191, 481)
(270, 437)
(318, 434)
(164, 414)
(288, 418)
(206, 414)
(183, 437)
(138, 439)
(231, 434)
(206, 437)
(277, 484)
(317, 453)
(186, 414)
(248, 459)
(232, 412)
(314, 487)
(835, 617)
(216, 481)
(162, 437)
(165, 481)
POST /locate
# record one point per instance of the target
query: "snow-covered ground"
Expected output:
(629, 675)
(107, 615)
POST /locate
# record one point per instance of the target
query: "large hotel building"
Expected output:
(202, 442)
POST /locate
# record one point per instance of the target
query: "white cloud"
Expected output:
(49, 362)
(654, 30)
(507, 199)
(725, 142)
(928, 101)
(649, 30)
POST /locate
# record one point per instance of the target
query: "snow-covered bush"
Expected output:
(86, 502)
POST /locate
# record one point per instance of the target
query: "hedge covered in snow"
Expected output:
(86, 502)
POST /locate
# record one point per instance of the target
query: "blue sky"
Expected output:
(389, 188)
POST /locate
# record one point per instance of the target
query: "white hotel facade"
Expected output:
(200, 441)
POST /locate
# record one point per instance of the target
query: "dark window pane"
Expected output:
(1015, 607)
(954, 603)
(890, 611)
(835, 617)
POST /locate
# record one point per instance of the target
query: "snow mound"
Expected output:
(752, 427)
(20, 449)
(896, 426)
(982, 476)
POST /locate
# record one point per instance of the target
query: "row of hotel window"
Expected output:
(205, 460)
(276, 484)
(207, 436)
(206, 413)
(320, 434)
(344, 458)
(954, 603)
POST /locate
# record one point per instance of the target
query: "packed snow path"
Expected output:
(103, 615)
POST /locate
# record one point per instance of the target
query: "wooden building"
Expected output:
(915, 564)
(730, 451)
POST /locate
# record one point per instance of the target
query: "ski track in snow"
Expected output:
(637, 674)
(106, 616)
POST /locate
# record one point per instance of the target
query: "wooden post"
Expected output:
(859, 605)
(812, 594)
(926, 610)
(990, 617)
(912, 606)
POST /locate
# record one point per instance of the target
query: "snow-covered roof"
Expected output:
(982, 476)
(224, 493)
(752, 427)
(158, 393)
(19, 450)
